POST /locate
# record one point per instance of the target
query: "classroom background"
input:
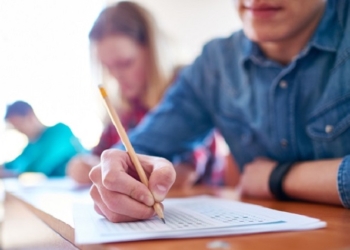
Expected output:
(45, 58)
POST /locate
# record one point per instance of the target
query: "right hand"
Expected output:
(117, 191)
(80, 166)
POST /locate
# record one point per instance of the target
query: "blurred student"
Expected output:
(49, 148)
(127, 44)
(279, 92)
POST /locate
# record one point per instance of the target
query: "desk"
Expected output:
(335, 236)
(21, 229)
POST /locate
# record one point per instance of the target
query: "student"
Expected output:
(278, 91)
(127, 44)
(48, 149)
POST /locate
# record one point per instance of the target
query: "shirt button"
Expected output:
(284, 143)
(328, 129)
(283, 84)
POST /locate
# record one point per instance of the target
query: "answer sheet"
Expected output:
(199, 216)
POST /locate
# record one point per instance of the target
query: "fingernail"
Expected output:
(160, 192)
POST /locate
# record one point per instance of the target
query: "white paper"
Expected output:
(200, 216)
(54, 196)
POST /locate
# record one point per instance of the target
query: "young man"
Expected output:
(278, 91)
(48, 149)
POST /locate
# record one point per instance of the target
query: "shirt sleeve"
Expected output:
(21, 161)
(57, 147)
(344, 181)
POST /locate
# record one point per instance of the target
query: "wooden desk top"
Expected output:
(335, 236)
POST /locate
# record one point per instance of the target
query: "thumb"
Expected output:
(161, 179)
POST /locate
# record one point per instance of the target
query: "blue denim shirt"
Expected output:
(294, 112)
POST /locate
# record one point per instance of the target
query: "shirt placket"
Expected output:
(282, 109)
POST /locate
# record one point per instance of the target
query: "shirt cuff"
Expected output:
(344, 181)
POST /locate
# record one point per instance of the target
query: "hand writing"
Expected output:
(117, 192)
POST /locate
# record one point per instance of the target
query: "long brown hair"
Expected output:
(129, 18)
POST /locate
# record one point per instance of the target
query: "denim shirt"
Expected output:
(294, 112)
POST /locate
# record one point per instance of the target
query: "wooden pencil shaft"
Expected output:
(125, 140)
(132, 154)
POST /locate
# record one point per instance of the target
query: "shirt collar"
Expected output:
(329, 31)
(326, 37)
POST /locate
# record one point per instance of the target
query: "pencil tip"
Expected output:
(163, 220)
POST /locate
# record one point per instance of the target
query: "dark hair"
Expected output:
(18, 108)
(126, 18)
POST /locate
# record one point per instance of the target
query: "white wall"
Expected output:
(191, 23)
(44, 59)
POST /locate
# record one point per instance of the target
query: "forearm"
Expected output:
(314, 181)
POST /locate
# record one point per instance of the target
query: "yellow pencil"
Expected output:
(125, 140)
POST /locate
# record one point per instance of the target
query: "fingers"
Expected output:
(116, 202)
(113, 177)
(119, 196)
(134, 211)
(161, 179)
(116, 176)
(125, 184)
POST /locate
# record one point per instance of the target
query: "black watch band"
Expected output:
(276, 179)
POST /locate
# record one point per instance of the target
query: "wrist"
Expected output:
(277, 178)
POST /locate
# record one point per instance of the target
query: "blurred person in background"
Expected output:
(48, 150)
(127, 44)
